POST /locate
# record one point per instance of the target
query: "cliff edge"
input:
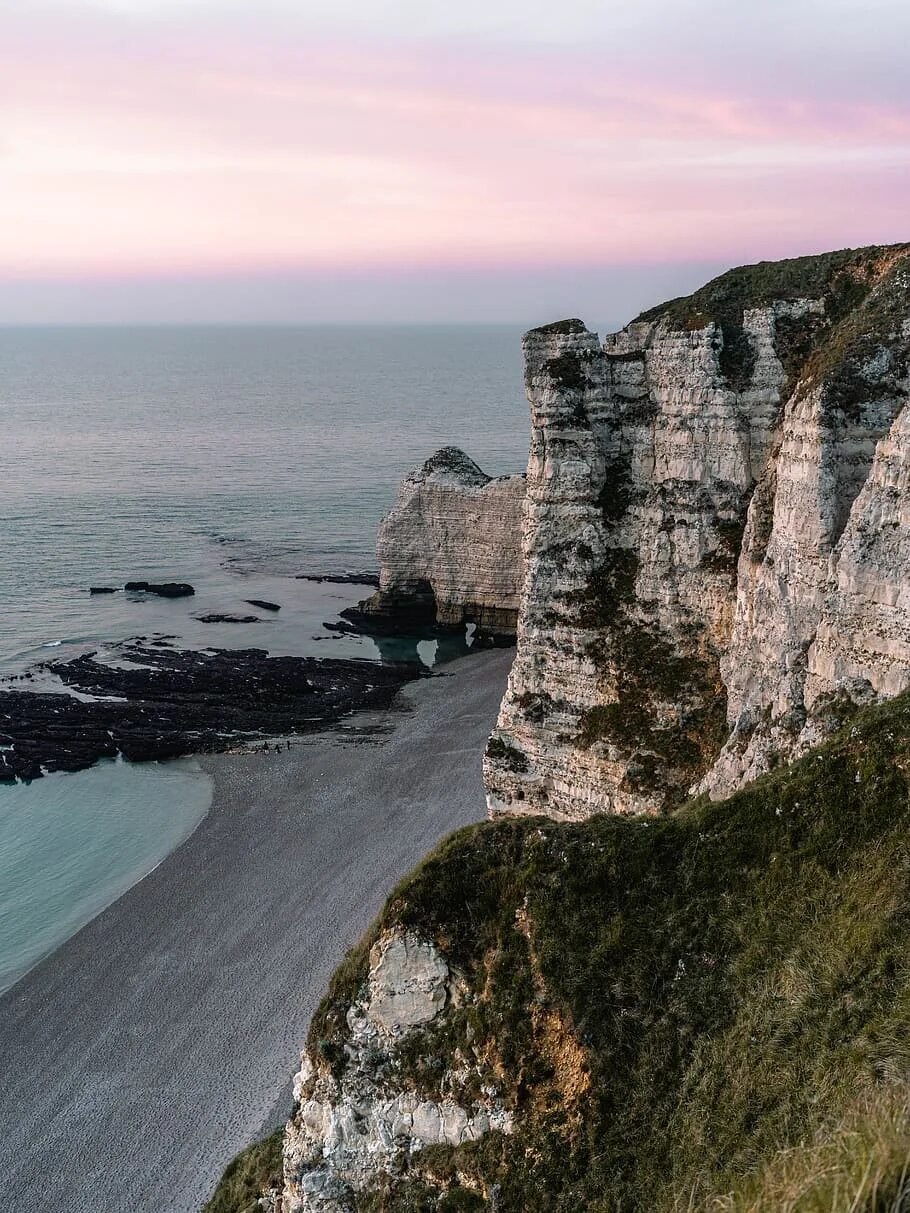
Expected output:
(716, 539)
(708, 1011)
(644, 1003)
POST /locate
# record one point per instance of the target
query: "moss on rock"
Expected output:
(670, 1006)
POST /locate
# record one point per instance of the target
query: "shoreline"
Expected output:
(160, 1039)
(56, 880)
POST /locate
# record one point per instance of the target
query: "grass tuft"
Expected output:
(252, 1172)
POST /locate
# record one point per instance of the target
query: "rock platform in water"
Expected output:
(341, 578)
(163, 704)
(163, 589)
(218, 617)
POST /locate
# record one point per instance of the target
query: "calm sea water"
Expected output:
(222, 456)
(230, 458)
(71, 844)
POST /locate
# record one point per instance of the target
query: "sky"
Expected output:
(487, 160)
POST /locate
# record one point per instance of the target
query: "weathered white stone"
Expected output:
(646, 457)
(451, 545)
(407, 983)
(348, 1130)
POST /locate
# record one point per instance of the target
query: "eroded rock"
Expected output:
(449, 552)
(713, 539)
(353, 1125)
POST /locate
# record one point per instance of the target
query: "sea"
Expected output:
(239, 460)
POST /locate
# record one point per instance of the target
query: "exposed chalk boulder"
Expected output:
(359, 1120)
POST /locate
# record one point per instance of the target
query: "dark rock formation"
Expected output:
(181, 702)
(216, 617)
(163, 589)
(263, 604)
(342, 578)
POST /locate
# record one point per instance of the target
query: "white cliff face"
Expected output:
(451, 544)
(862, 643)
(714, 545)
(638, 481)
(351, 1129)
(821, 622)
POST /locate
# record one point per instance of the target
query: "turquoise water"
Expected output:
(230, 458)
(71, 844)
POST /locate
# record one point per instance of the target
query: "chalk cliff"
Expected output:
(449, 550)
(715, 574)
(715, 537)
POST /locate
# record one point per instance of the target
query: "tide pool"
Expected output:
(70, 844)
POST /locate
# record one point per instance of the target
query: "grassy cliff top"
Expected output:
(865, 298)
(671, 1006)
(840, 278)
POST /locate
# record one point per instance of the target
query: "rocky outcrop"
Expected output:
(157, 702)
(360, 1118)
(449, 551)
(714, 538)
(161, 589)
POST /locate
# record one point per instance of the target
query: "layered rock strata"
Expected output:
(715, 538)
(449, 551)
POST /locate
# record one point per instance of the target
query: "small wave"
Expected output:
(52, 644)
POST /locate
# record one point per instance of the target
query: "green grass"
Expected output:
(707, 1011)
(861, 1163)
(561, 328)
(250, 1173)
(834, 345)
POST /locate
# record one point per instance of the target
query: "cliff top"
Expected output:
(561, 328)
(450, 462)
(865, 301)
(842, 279)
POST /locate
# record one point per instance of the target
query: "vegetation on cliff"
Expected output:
(705, 1011)
(256, 1170)
(861, 308)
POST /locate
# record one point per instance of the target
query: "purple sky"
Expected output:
(316, 161)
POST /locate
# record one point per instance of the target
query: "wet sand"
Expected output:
(160, 1040)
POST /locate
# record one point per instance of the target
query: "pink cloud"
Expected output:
(131, 147)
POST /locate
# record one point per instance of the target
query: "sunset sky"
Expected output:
(317, 160)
